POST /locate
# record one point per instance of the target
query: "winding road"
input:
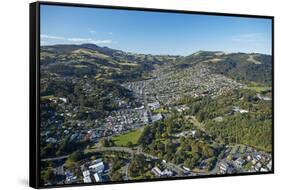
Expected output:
(131, 151)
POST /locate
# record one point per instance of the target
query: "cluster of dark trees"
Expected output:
(140, 167)
(158, 140)
(238, 67)
(64, 147)
(253, 128)
(103, 94)
(107, 142)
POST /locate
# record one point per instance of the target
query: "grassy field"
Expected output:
(259, 89)
(160, 110)
(80, 66)
(123, 139)
(47, 97)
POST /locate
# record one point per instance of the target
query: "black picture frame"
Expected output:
(34, 90)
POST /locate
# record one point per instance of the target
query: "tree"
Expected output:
(117, 164)
(165, 135)
(105, 143)
(146, 136)
(137, 165)
(208, 151)
(169, 130)
(182, 140)
(130, 144)
(201, 116)
(116, 176)
(47, 175)
(76, 156)
(187, 163)
(73, 158)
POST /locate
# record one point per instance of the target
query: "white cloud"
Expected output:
(79, 39)
(249, 37)
(90, 40)
(44, 42)
(46, 36)
(93, 31)
(101, 41)
(73, 40)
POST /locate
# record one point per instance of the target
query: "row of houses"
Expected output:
(248, 162)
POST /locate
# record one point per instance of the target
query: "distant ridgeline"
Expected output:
(101, 62)
(106, 63)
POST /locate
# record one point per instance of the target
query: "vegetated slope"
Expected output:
(102, 62)
(239, 66)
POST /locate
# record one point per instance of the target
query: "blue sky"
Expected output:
(154, 32)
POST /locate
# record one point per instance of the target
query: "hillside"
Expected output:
(101, 62)
(239, 66)
(107, 63)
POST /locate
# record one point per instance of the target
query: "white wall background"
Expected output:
(14, 73)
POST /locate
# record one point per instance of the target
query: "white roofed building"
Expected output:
(97, 177)
(98, 167)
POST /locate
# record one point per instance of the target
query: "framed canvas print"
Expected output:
(122, 94)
